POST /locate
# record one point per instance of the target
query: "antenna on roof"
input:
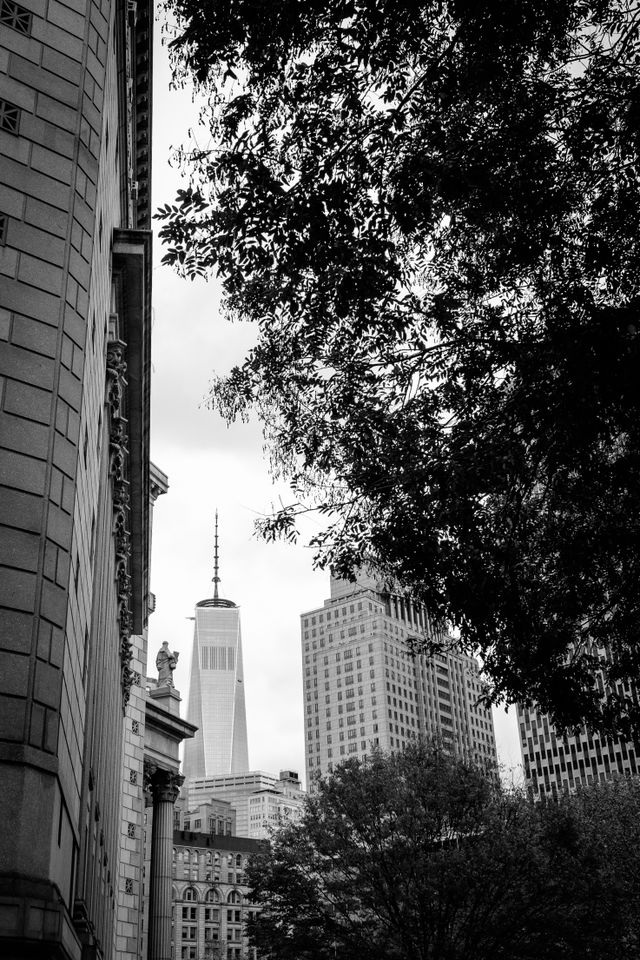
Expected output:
(215, 578)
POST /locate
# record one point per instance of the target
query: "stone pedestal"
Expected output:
(167, 698)
(165, 786)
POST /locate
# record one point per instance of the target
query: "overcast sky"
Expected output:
(211, 466)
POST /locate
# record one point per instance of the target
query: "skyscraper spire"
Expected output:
(216, 578)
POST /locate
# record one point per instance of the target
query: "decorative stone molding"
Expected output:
(147, 774)
(161, 785)
(116, 385)
(118, 448)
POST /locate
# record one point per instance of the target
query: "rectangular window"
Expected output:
(9, 117)
(14, 16)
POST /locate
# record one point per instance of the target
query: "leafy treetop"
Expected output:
(430, 211)
(417, 856)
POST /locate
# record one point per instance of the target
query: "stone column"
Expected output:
(165, 785)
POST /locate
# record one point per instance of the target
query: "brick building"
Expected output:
(75, 289)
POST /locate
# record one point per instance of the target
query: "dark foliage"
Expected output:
(430, 210)
(416, 857)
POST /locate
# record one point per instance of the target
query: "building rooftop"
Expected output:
(216, 602)
(218, 841)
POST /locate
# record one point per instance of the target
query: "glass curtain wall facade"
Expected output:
(216, 693)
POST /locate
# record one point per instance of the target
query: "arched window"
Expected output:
(187, 856)
(190, 894)
(174, 855)
(212, 896)
(209, 857)
(234, 897)
(238, 862)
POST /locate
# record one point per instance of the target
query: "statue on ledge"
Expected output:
(166, 662)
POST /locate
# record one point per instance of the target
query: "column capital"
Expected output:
(163, 785)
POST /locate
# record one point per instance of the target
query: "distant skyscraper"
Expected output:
(216, 689)
(364, 689)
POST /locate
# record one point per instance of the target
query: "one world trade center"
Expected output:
(216, 689)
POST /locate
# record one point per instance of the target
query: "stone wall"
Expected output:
(66, 186)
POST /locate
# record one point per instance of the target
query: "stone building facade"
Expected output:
(132, 812)
(363, 688)
(210, 897)
(75, 302)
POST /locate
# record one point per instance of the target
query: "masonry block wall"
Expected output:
(68, 164)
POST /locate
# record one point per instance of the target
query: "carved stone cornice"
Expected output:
(130, 392)
(116, 385)
(118, 449)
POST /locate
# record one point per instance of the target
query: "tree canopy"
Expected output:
(430, 211)
(417, 856)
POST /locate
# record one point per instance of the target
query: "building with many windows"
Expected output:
(260, 801)
(266, 810)
(210, 898)
(555, 763)
(213, 817)
(216, 689)
(363, 688)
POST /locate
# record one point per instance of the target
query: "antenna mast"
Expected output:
(216, 578)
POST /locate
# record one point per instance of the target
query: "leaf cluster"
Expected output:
(430, 210)
(417, 856)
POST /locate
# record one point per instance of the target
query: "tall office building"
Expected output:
(363, 688)
(555, 763)
(216, 689)
(75, 328)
